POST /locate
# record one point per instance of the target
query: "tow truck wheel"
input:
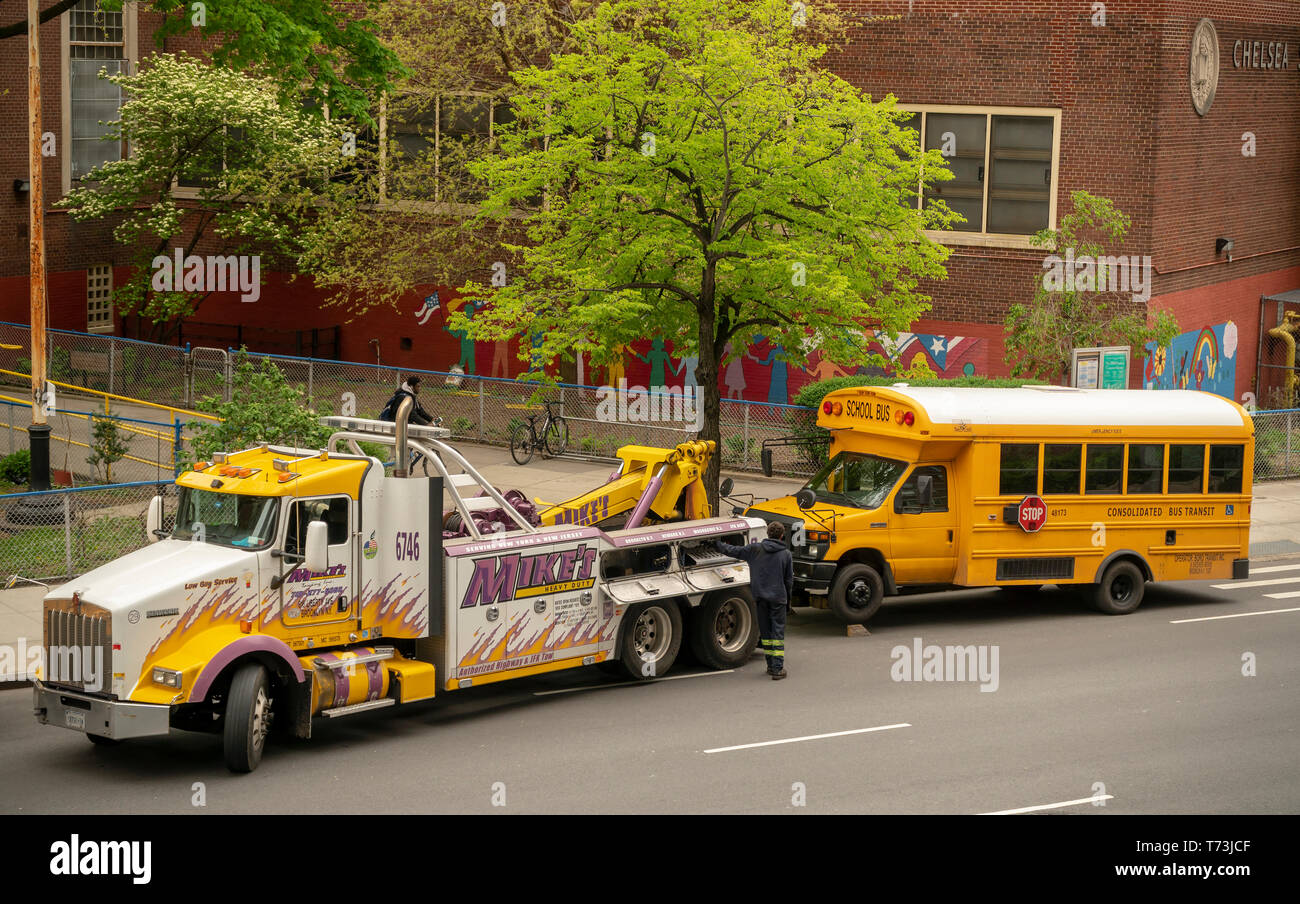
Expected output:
(652, 635)
(1120, 590)
(724, 630)
(856, 594)
(248, 718)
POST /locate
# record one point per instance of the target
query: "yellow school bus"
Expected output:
(1022, 487)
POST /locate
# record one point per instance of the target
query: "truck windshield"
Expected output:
(856, 479)
(227, 519)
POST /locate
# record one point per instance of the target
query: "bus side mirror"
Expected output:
(805, 498)
(766, 458)
(925, 490)
(153, 520)
(317, 558)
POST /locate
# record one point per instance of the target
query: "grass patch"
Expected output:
(38, 552)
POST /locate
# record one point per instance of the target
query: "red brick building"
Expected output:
(1185, 114)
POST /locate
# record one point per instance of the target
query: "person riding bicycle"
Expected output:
(410, 387)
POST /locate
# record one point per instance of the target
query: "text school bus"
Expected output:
(1022, 487)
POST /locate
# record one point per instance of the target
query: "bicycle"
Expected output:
(526, 439)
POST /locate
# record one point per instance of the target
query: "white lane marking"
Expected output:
(815, 737)
(1066, 803)
(1183, 621)
(1283, 596)
(1271, 568)
(601, 687)
(1268, 583)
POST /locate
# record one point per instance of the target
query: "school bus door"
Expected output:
(923, 527)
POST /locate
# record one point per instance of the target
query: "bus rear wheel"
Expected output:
(856, 594)
(1121, 589)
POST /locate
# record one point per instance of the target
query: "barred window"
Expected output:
(99, 299)
(96, 41)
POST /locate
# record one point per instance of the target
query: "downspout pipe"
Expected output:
(1284, 333)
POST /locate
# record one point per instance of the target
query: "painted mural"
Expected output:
(1204, 359)
(755, 374)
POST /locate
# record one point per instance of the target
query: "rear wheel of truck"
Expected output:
(652, 635)
(856, 594)
(248, 718)
(1120, 590)
(100, 741)
(724, 629)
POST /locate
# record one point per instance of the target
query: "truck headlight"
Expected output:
(167, 678)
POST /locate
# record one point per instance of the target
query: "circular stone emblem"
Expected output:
(1205, 66)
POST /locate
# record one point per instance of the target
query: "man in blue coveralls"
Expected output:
(771, 576)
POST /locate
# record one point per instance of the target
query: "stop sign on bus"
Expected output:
(1031, 514)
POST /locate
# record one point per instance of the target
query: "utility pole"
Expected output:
(39, 431)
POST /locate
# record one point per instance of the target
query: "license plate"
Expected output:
(74, 719)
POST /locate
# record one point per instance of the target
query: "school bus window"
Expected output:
(909, 499)
(1226, 465)
(1186, 468)
(1062, 468)
(1019, 476)
(1146, 465)
(1105, 472)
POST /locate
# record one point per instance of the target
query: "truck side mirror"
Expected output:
(925, 490)
(766, 458)
(153, 519)
(317, 558)
(725, 488)
(805, 498)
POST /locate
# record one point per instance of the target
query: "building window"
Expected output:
(96, 41)
(441, 134)
(1004, 163)
(99, 299)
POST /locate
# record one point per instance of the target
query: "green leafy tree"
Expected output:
(265, 408)
(107, 447)
(262, 163)
(323, 47)
(703, 180)
(1086, 308)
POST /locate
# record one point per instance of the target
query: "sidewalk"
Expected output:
(1275, 527)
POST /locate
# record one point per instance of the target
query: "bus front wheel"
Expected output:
(1120, 590)
(856, 594)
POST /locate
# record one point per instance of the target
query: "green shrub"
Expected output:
(16, 468)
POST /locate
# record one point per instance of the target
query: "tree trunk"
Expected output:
(706, 375)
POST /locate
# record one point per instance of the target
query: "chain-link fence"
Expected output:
(90, 447)
(476, 409)
(1277, 444)
(62, 533)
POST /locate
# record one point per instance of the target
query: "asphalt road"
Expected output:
(1150, 709)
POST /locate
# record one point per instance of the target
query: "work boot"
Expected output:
(777, 676)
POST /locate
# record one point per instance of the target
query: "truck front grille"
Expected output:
(78, 646)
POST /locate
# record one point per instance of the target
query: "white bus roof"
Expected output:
(1066, 406)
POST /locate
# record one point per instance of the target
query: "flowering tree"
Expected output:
(260, 167)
